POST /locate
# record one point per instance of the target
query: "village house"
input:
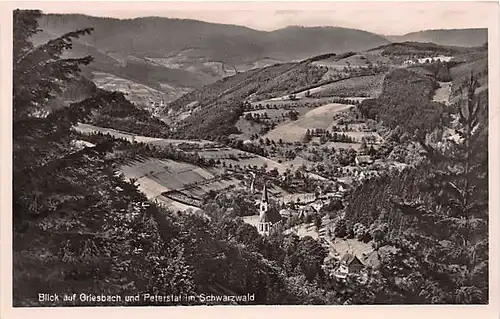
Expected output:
(349, 264)
(287, 213)
(307, 210)
(363, 160)
(440, 58)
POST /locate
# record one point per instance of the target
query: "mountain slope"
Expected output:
(174, 55)
(161, 37)
(452, 37)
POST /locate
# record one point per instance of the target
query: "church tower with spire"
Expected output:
(268, 218)
(264, 202)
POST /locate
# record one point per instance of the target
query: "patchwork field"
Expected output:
(89, 129)
(320, 117)
(136, 93)
(161, 176)
(175, 184)
(166, 174)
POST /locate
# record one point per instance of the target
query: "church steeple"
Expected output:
(264, 202)
(264, 194)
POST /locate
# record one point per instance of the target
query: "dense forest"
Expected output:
(436, 212)
(406, 101)
(417, 49)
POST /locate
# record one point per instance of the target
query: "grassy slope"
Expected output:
(218, 105)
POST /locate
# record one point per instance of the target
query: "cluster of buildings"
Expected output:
(294, 205)
(349, 261)
(440, 58)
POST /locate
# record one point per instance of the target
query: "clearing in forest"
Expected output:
(320, 117)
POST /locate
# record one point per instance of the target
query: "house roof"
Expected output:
(364, 159)
(271, 216)
(349, 259)
(287, 212)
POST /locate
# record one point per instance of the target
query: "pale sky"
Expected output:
(389, 18)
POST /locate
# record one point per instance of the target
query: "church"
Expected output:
(269, 218)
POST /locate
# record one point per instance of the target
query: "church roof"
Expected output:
(272, 216)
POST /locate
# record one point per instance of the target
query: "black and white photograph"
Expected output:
(273, 154)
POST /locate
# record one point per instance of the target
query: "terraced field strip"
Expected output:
(157, 176)
(173, 205)
(89, 129)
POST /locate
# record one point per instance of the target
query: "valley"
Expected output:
(317, 134)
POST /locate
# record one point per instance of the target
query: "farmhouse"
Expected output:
(307, 210)
(269, 219)
(349, 264)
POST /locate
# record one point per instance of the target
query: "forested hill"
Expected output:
(214, 109)
(406, 101)
(217, 42)
(175, 56)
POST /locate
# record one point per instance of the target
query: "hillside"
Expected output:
(187, 54)
(405, 101)
(214, 109)
(218, 106)
(216, 42)
(415, 48)
(453, 37)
